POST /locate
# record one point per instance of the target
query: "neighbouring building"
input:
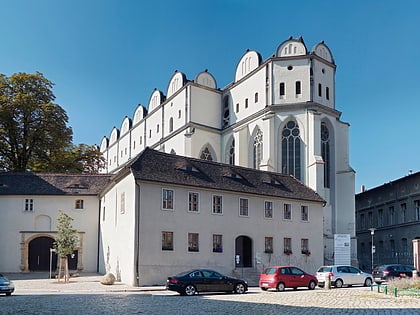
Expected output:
(163, 214)
(30, 204)
(392, 212)
(277, 115)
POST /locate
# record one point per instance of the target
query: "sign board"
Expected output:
(342, 249)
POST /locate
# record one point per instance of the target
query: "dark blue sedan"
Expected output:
(6, 286)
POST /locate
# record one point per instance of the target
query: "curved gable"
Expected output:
(139, 114)
(322, 50)
(292, 47)
(177, 82)
(206, 79)
(126, 125)
(156, 99)
(104, 144)
(249, 61)
(115, 134)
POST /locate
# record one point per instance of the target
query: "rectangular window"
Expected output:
(380, 218)
(287, 211)
(237, 107)
(298, 87)
(243, 207)
(78, 204)
(217, 204)
(193, 201)
(268, 209)
(304, 213)
(193, 242)
(417, 209)
(122, 209)
(403, 212)
(141, 140)
(391, 216)
(246, 103)
(29, 205)
(370, 218)
(282, 89)
(167, 240)
(287, 245)
(362, 221)
(256, 98)
(268, 247)
(103, 213)
(217, 243)
(167, 199)
(319, 90)
(304, 246)
(327, 93)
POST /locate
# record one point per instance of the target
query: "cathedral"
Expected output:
(278, 115)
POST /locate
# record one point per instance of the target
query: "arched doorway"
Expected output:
(243, 249)
(39, 254)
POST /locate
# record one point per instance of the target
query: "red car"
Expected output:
(282, 277)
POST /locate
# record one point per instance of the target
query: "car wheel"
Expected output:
(264, 289)
(368, 282)
(338, 283)
(281, 286)
(8, 293)
(190, 290)
(239, 288)
(312, 285)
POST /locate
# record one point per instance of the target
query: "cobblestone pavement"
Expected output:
(85, 295)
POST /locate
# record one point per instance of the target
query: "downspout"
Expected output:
(137, 235)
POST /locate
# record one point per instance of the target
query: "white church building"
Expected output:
(277, 115)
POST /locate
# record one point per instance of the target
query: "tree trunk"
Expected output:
(63, 269)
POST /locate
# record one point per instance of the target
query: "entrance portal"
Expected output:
(39, 254)
(243, 249)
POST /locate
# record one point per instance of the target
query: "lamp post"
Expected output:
(372, 249)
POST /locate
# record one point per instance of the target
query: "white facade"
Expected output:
(289, 97)
(133, 220)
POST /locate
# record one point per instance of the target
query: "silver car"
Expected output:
(341, 275)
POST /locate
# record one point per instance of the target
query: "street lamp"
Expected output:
(372, 232)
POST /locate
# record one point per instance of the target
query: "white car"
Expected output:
(341, 275)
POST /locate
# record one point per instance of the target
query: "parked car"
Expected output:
(343, 275)
(385, 272)
(6, 286)
(282, 277)
(204, 280)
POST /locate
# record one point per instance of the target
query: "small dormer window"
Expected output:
(79, 204)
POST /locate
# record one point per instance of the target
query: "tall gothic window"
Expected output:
(230, 153)
(258, 148)
(290, 148)
(206, 155)
(325, 152)
(226, 113)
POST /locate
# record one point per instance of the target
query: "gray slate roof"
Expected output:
(155, 166)
(51, 184)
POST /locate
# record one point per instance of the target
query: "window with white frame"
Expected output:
(268, 245)
(167, 199)
(78, 204)
(167, 240)
(193, 242)
(217, 204)
(287, 211)
(29, 205)
(193, 201)
(304, 213)
(243, 207)
(268, 209)
(217, 243)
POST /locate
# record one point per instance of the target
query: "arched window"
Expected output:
(226, 113)
(230, 152)
(325, 153)
(258, 148)
(171, 124)
(206, 155)
(290, 148)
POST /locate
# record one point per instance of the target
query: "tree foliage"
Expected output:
(34, 135)
(66, 240)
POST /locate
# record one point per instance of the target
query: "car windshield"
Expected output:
(324, 269)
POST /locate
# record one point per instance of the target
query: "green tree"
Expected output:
(65, 243)
(32, 128)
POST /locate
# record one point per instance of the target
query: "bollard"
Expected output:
(395, 292)
(386, 290)
(415, 274)
(328, 281)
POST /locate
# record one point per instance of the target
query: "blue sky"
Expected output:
(107, 56)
